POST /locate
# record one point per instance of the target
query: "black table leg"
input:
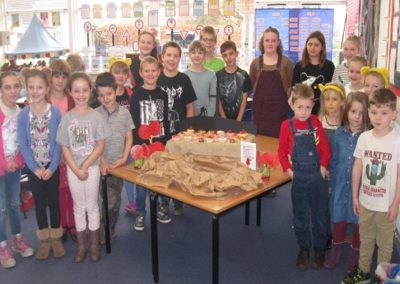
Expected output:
(107, 217)
(258, 211)
(247, 213)
(215, 249)
(154, 239)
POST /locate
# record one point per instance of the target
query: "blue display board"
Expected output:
(294, 26)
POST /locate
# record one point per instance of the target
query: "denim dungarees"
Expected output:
(310, 198)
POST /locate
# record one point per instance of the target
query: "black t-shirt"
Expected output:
(230, 89)
(180, 93)
(313, 75)
(135, 66)
(146, 106)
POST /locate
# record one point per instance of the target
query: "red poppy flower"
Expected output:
(155, 128)
(144, 132)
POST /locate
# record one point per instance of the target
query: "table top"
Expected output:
(215, 205)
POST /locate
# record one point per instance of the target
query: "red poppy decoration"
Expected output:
(144, 132)
(268, 158)
(155, 128)
(156, 147)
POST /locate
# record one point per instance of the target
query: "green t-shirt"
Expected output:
(215, 64)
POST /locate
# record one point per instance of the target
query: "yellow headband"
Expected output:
(331, 87)
(113, 60)
(381, 71)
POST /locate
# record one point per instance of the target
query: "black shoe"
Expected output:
(303, 259)
(329, 243)
(64, 237)
(73, 237)
(318, 259)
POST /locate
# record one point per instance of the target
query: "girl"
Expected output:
(37, 128)
(333, 98)
(11, 163)
(314, 67)
(147, 46)
(271, 75)
(344, 142)
(60, 97)
(356, 83)
(351, 47)
(374, 78)
(82, 134)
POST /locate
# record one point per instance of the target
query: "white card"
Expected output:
(248, 154)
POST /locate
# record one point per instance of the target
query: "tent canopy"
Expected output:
(37, 42)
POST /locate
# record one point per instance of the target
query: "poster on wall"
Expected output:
(97, 11)
(15, 20)
(126, 10)
(229, 8)
(294, 26)
(55, 18)
(153, 18)
(183, 8)
(44, 18)
(213, 7)
(170, 8)
(138, 9)
(198, 8)
(111, 10)
(85, 11)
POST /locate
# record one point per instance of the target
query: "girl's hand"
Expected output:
(118, 163)
(391, 215)
(356, 207)
(46, 175)
(290, 173)
(82, 174)
(104, 169)
(38, 173)
(11, 166)
(324, 172)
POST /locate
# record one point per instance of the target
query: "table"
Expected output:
(215, 207)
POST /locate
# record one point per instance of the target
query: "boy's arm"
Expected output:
(355, 184)
(283, 149)
(190, 109)
(242, 107)
(221, 109)
(127, 150)
(394, 207)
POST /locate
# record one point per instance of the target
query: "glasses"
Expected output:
(208, 39)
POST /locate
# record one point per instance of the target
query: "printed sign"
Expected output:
(87, 26)
(171, 23)
(228, 30)
(139, 24)
(112, 28)
(184, 34)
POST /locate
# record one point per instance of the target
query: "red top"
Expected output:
(286, 139)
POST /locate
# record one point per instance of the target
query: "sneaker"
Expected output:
(139, 223)
(303, 259)
(318, 259)
(357, 277)
(164, 208)
(21, 246)
(7, 259)
(162, 217)
(130, 208)
(178, 210)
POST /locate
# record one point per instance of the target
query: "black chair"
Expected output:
(216, 123)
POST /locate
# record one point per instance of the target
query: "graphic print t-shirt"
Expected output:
(180, 93)
(380, 157)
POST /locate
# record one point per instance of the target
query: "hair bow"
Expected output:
(333, 87)
(113, 60)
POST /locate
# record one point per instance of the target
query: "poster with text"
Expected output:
(183, 8)
(126, 10)
(85, 11)
(97, 11)
(198, 8)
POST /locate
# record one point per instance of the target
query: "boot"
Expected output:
(94, 245)
(332, 260)
(352, 260)
(56, 243)
(45, 244)
(80, 253)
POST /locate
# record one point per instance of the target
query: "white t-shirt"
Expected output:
(380, 157)
(349, 90)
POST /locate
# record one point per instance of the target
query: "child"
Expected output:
(37, 129)
(374, 78)
(181, 97)
(344, 141)
(147, 46)
(118, 144)
(375, 184)
(356, 83)
(149, 103)
(333, 98)
(302, 137)
(60, 97)
(233, 85)
(351, 47)
(203, 80)
(11, 163)
(314, 67)
(81, 133)
(208, 37)
(271, 75)
(76, 63)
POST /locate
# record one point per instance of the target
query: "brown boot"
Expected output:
(45, 244)
(94, 245)
(56, 243)
(80, 253)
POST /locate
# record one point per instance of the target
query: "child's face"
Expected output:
(120, 77)
(59, 82)
(302, 108)
(350, 49)
(355, 116)
(37, 89)
(209, 42)
(146, 44)
(270, 42)
(107, 97)
(10, 90)
(354, 73)
(80, 92)
(314, 48)
(197, 57)
(229, 57)
(381, 117)
(372, 83)
(333, 102)
(150, 73)
(171, 59)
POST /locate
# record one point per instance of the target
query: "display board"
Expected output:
(294, 26)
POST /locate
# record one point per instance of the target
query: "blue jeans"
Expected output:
(141, 195)
(10, 203)
(310, 200)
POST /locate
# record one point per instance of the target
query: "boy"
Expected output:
(181, 97)
(204, 81)
(375, 184)
(208, 37)
(356, 83)
(303, 138)
(149, 103)
(233, 85)
(118, 144)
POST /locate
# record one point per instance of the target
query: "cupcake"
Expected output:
(243, 134)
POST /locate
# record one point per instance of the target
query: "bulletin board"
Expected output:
(395, 51)
(294, 26)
